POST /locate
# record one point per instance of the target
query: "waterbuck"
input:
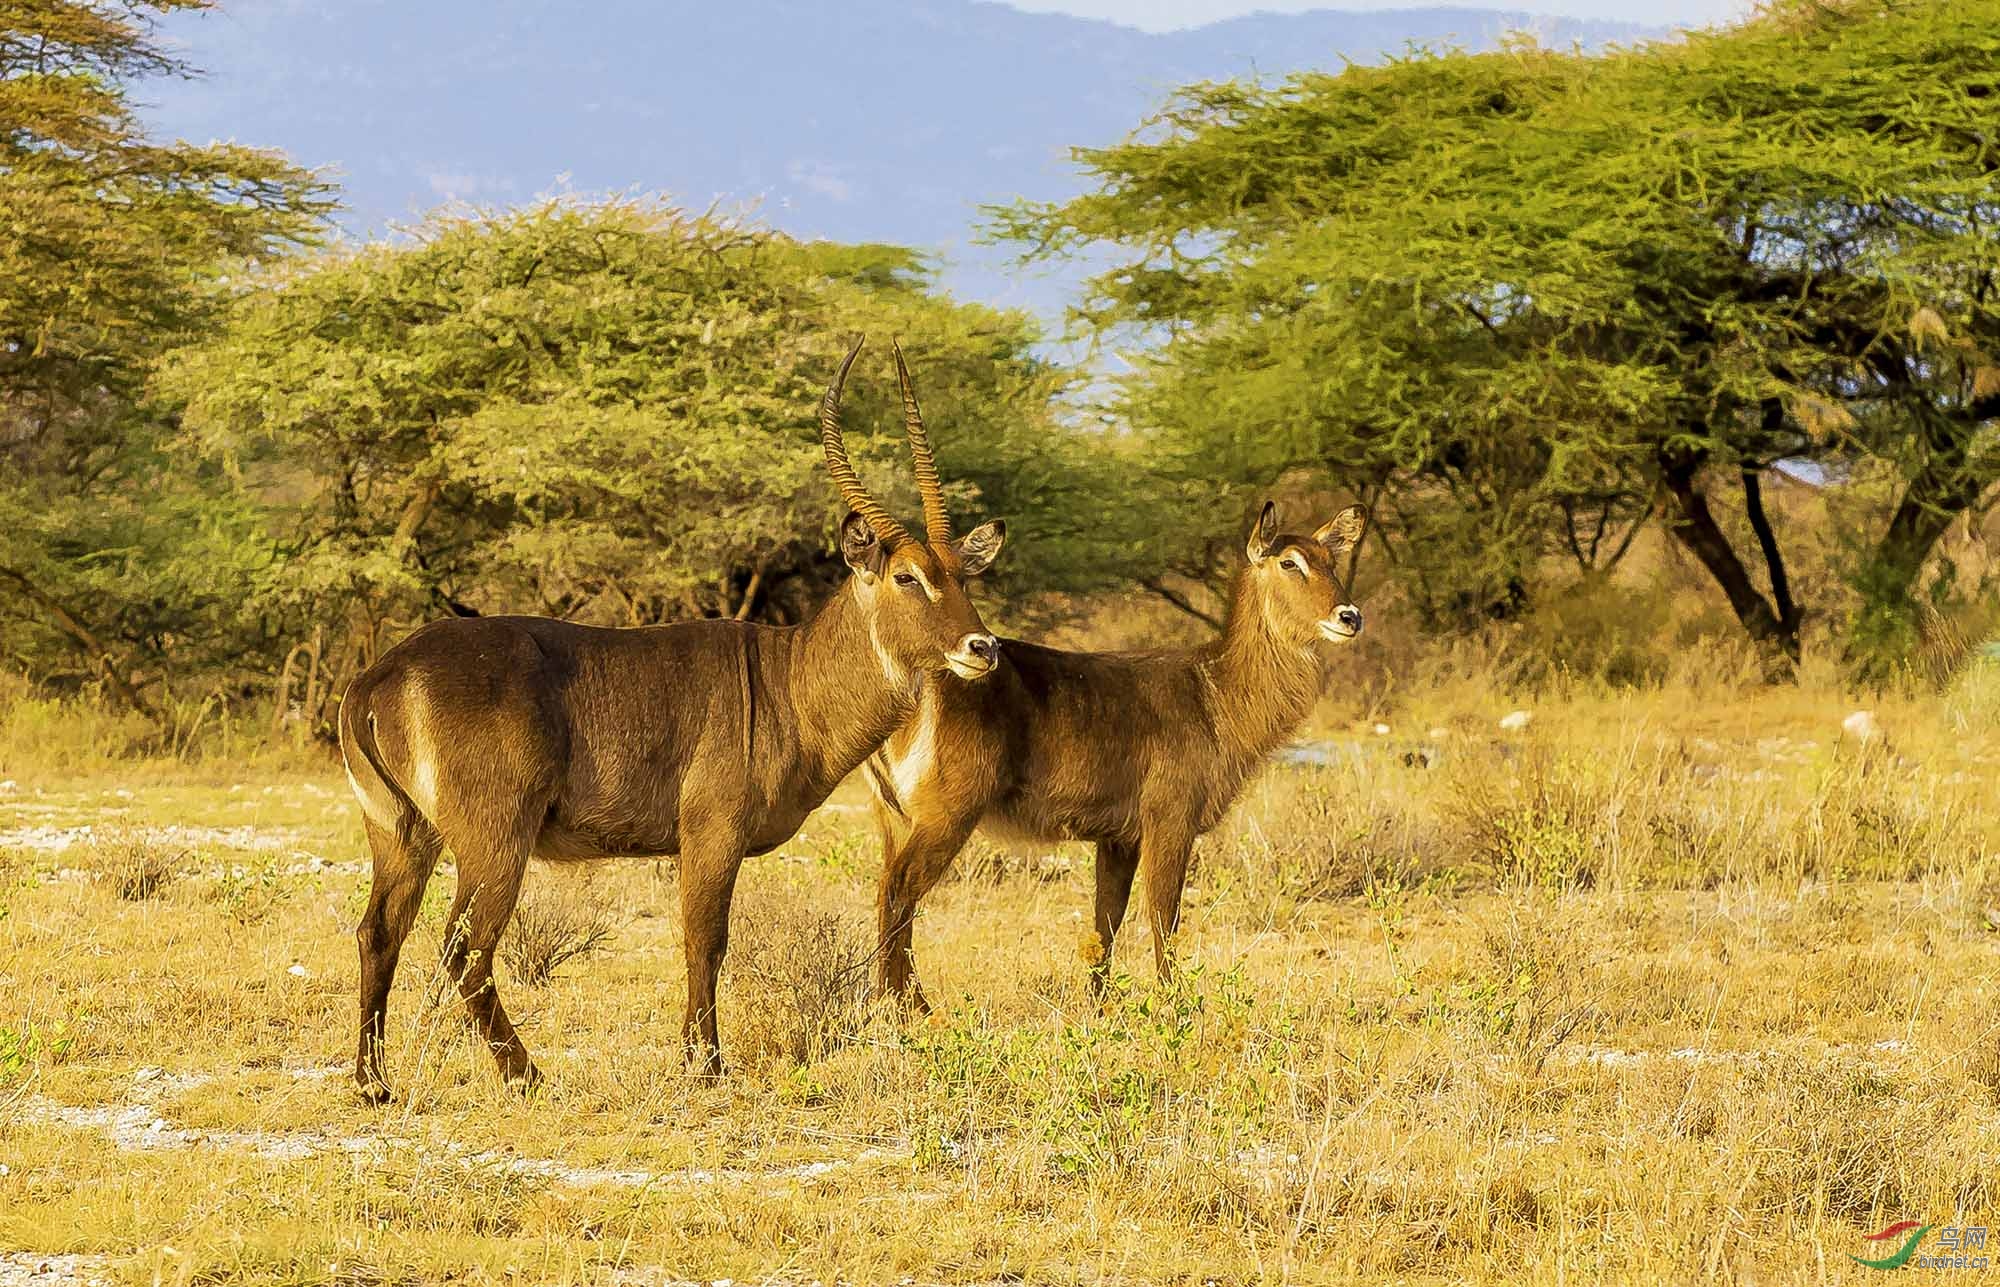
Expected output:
(502, 738)
(1138, 752)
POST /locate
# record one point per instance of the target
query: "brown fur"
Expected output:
(502, 738)
(1138, 752)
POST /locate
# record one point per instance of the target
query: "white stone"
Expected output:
(297, 971)
(1381, 730)
(1515, 721)
(1862, 726)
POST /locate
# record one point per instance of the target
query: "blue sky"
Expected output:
(1164, 15)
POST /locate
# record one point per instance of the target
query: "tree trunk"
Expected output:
(1774, 559)
(1774, 630)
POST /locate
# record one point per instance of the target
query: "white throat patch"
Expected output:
(893, 671)
(915, 761)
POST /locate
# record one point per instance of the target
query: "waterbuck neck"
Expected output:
(1261, 686)
(847, 693)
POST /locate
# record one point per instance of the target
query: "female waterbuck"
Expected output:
(502, 738)
(1138, 752)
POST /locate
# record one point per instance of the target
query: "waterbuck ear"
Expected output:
(978, 548)
(1343, 531)
(862, 549)
(1263, 537)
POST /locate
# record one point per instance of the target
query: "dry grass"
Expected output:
(551, 929)
(139, 870)
(1669, 986)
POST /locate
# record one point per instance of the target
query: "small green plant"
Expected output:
(1102, 1092)
(1542, 827)
(251, 892)
(1389, 903)
(34, 1045)
(1530, 997)
(843, 853)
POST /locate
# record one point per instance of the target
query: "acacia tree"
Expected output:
(112, 555)
(1530, 292)
(602, 411)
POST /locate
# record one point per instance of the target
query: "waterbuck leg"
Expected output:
(1164, 853)
(489, 884)
(709, 864)
(1117, 861)
(911, 868)
(403, 865)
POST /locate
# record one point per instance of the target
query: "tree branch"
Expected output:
(99, 652)
(1181, 601)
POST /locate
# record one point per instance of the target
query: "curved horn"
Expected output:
(886, 527)
(937, 523)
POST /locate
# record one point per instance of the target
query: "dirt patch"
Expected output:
(139, 1126)
(32, 1269)
(45, 838)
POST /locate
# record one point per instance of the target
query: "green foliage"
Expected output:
(112, 234)
(1520, 298)
(113, 553)
(605, 411)
(1539, 827)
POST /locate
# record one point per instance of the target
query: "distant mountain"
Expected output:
(886, 120)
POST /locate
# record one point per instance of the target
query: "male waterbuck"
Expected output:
(502, 738)
(1138, 752)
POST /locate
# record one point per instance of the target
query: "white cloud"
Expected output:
(820, 179)
(454, 185)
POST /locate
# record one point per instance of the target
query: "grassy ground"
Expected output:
(1661, 987)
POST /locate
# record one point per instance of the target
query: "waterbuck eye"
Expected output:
(1293, 565)
(905, 580)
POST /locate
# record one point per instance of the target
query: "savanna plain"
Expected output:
(1666, 984)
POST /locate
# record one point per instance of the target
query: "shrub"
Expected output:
(139, 871)
(807, 976)
(548, 931)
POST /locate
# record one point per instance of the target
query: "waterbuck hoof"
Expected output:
(374, 1091)
(526, 1081)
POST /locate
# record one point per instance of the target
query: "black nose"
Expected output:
(1349, 616)
(984, 647)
